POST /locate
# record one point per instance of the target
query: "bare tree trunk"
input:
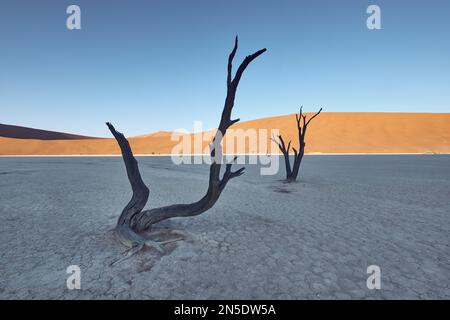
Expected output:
(133, 221)
(292, 174)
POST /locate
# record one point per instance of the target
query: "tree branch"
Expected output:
(314, 116)
(143, 220)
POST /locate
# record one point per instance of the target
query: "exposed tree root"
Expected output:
(155, 244)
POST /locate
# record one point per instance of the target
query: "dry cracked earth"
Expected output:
(264, 239)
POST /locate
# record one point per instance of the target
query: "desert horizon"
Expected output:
(332, 133)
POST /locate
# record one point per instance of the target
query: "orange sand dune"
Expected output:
(328, 133)
(155, 134)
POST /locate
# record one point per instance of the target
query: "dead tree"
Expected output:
(134, 225)
(291, 174)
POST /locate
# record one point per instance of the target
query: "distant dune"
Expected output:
(19, 132)
(329, 133)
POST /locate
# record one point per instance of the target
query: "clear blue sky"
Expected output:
(160, 65)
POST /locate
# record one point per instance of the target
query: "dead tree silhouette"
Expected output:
(291, 174)
(133, 228)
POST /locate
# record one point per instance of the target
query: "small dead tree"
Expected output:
(302, 125)
(133, 228)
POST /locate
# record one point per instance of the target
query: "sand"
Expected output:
(328, 133)
(262, 240)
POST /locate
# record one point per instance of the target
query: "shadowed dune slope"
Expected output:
(329, 133)
(10, 131)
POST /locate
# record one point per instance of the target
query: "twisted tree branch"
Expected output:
(133, 220)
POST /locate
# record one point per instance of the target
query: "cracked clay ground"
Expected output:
(263, 239)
